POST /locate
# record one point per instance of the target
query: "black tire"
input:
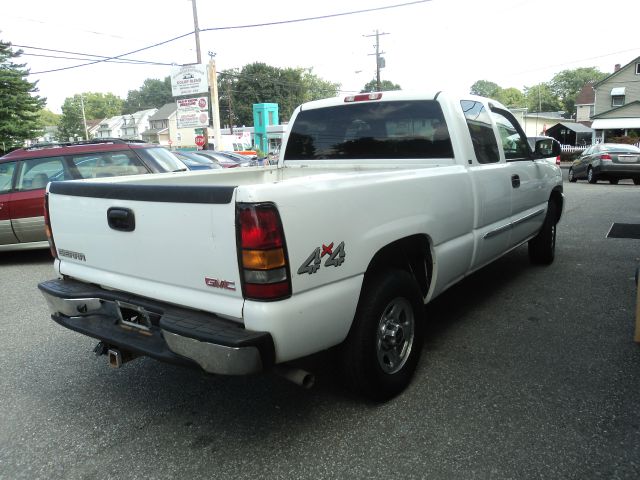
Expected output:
(542, 247)
(591, 176)
(636, 181)
(384, 344)
(613, 181)
(571, 176)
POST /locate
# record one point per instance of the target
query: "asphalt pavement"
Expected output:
(527, 372)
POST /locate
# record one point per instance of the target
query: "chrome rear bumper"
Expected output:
(162, 331)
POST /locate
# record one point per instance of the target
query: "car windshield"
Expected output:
(167, 160)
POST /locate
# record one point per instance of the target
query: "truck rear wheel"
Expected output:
(383, 347)
(542, 247)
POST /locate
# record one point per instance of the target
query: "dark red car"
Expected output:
(25, 173)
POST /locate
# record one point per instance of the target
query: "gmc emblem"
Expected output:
(224, 284)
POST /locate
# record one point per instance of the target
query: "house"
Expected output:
(135, 123)
(159, 131)
(585, 104)
(536, 124)
(571, 133)
(617, 103)
(109, 128)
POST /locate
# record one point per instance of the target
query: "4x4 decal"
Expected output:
(313, 262)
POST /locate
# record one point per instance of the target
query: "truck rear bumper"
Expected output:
(164, 332)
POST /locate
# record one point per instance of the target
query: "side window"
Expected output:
(107, 164)
(481, 131)
(514, 143)
(37, 172)
(6, 176)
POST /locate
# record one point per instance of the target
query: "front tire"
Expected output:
(636, 181)
(591, 176)
(542, 247)
(384, 344)
(571, 176)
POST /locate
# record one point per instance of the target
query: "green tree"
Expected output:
(385, 86)
(47, 118)
(71, 122)
(101, 105)
(567, 84)
(511, 97)
(541, 98)
(262, 83)
(152, 94)
(485, 88)
(19, 109)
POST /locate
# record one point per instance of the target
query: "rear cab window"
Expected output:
(371, 130)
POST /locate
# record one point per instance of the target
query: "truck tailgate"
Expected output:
(171, 242)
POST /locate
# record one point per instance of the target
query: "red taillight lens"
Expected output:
(262, 252)
(47, 227)
(363, 97)
(558, 160)
(605, 156)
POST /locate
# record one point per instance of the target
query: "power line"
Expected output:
(128, 60)
(137, 62)
(236, 27)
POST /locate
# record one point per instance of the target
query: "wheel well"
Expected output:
(556, 197)
(412, 254)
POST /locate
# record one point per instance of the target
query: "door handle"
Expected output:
(515, 181)
(121, 219)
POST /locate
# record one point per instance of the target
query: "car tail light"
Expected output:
(605, 156)
(262, 252)
(47, 227)
(362, 97)
(558, 160)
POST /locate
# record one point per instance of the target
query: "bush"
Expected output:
(570, 156)
(630, 140)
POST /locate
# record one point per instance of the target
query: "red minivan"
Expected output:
(25, 173)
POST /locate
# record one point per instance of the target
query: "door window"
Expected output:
(37, 172)
(514, 143)
(6, 176)
(481, 131)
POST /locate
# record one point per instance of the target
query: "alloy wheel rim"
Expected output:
(396, 331)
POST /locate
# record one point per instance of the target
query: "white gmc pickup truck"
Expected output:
(378, 203)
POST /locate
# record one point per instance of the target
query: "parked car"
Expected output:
(607, 161)
(193, 161)
(25, 173)
(549, 147)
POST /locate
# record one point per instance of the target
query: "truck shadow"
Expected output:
(22, 257)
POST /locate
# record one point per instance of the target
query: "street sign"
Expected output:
(200, 140)
(189, 79)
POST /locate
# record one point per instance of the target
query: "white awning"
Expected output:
(615, 123)
(617, 91)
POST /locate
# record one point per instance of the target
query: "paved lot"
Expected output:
(527, 373)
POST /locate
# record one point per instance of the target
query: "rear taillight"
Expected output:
(262, 252)
(605, 156)
(558, 160)
(47, 227)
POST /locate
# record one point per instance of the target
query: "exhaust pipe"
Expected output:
(296, 375)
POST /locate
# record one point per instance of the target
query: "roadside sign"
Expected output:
(200, 140)
(193, 112)
(189, 79)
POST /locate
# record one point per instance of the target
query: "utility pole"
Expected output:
(380, 63)
(196, 30)
(215, 109)
(84, 119)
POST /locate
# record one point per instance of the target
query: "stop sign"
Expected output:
(200, 140)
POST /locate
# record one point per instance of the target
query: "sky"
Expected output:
(436, 44)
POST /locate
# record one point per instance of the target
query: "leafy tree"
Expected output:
(485, 88)
(71, 122)
(541, 98)
(152, 94)
(567, 84)
(511, 97)
(385, 86)
(47, 118)
(101, 105)
(262, 83)
(19, 109)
